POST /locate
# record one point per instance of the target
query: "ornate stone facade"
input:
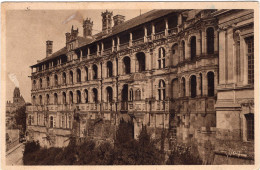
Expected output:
(162, 69)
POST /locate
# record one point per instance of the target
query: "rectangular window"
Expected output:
(250, 57)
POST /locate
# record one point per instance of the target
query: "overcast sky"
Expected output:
(27, 32)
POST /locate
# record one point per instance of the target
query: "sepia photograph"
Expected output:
(121, 83)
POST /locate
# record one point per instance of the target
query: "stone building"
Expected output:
(189, 72)
(12, 107)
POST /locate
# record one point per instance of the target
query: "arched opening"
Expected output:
(210, 40)
(193, 48)
(55, 98)
(40, 98)
(183, 87)
(48, 81)
(141, 61)
(161, 90)
(125, 93)
(78, 96)
(40, 81)
(51, 122)
(78, 75)
(131, 95)
(193, 86)
(64, 78)
(71, 77)
(127, 65)
(95, 95)
(175, 88)
(95, 72)
(250, 126)
(109, 94)
(161, 58)
(34, 100)
(175, 54)
(138, 94)
(47, 99)
(64, 98)
(56, 80)
(183, 49)
(34, 84)
(71, 97)
(109, 69)
(211, 88)
(86, 95)
(86, 71)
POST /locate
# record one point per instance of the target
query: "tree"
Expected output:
(20, 117)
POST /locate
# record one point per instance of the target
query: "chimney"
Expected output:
(107, 21)
(48, 48)
(74, 33)
(118, 19)
(67, 37)
(87, 28)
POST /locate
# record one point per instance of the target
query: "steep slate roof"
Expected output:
(144, 18)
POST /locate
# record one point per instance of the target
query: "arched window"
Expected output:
(64, 78)
(210, 40)
(193, 86)
(193, 48)
(86, 71)
(71, 77)
(78, 75)
(250, 126)
(161, 90)
(95, 95)
(34, 84)
(64, 98)
(175, 88)
(56, 80)
(138, 94)
(34, 100)
(141, 61)
(109, 69)
(183, 49)
(175, 54)
(127, 65)
(40, 81)
(55, 98)
(47, 99)
(95, 72)
(40, 98)
(78, 96)
(183, 85)
(51, 122)
(161, 58)
(71, 97)
(86, 95)
(211, 88)
(109, 94)
(131, 95)
(48, 81)
(124, 93)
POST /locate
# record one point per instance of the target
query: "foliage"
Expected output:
(20, 117)
(183, 155)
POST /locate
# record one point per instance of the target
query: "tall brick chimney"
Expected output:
(118, 19)
(87, 28)
(48, 48)
(106, 21)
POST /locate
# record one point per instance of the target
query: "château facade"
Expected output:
(189, 72)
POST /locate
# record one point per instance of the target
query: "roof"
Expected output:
(144, 18)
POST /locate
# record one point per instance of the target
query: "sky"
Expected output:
(26, 35)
